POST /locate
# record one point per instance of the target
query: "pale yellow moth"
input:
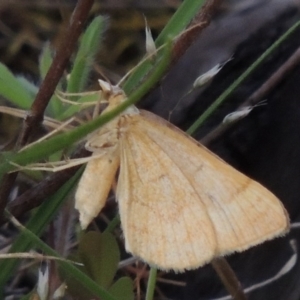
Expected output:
(180, 205)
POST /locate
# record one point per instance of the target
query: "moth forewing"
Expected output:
(160, 212)
(94, 186)
(96, 181)
(243, 212)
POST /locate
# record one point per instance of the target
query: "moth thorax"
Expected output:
(116, 100)
(103, 141)
(125, 122)
(131, 110)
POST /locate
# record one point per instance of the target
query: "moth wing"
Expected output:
(163, 220)
(242, 211)
(95, 184)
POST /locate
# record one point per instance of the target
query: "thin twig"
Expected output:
(37, 256)
(228, 278)
(275, 79)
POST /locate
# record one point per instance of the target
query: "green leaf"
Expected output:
(122, 289)
(13, 90)
(28, 86)
(88, 48)
(100, 255)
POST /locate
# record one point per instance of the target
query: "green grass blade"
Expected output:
(85, 57)
(151, 284)
(179, 21)
(88, 48)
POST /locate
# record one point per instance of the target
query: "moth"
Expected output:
(180, 205)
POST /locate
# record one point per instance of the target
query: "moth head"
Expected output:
(115, 96)
(109, 89)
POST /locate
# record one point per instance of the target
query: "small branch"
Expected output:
(228, 278)
(275, 79)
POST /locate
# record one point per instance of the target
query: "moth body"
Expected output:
(180, 205)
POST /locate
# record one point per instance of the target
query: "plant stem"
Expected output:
(151, 284)
(228, 278)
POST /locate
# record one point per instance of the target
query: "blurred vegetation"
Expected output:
(26, 25)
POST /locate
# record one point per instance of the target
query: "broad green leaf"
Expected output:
(100, 254)
(75, 288)
(122, 289)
